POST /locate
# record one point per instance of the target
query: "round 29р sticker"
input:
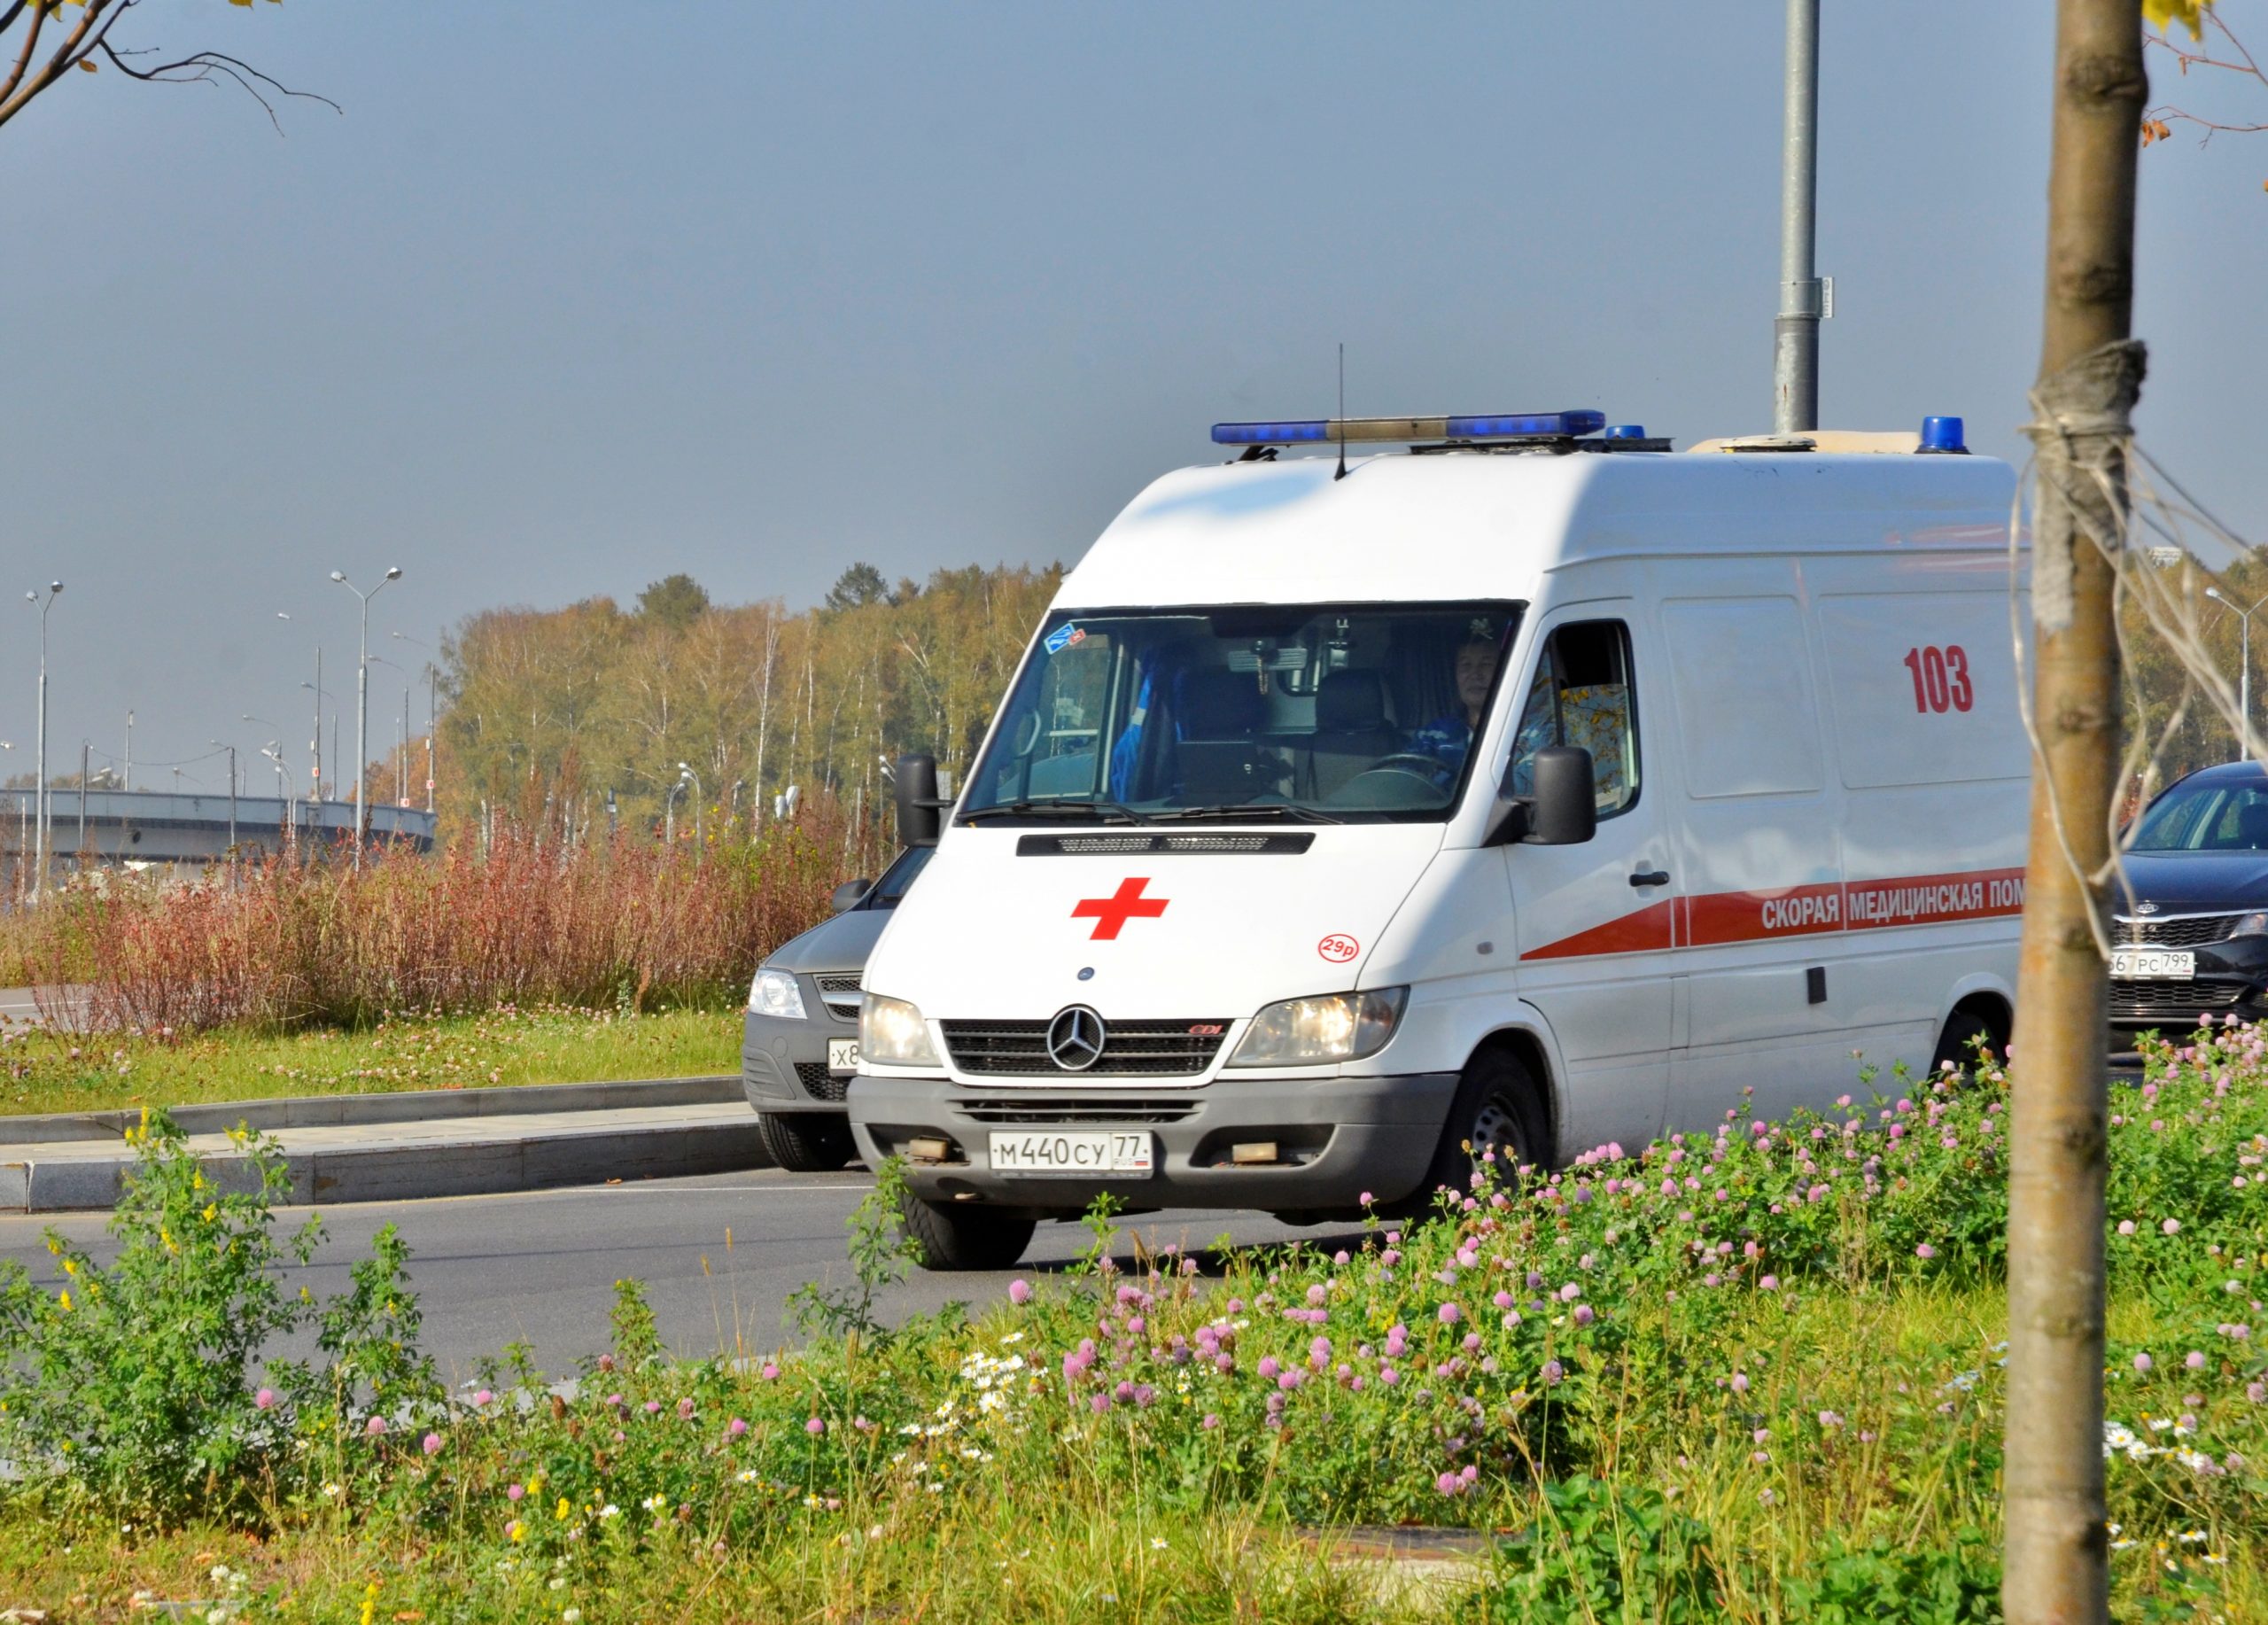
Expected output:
(1339, 947)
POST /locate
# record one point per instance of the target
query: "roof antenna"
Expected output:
(1342, 411)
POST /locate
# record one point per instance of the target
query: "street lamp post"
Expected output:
(362, 699)
(432, 709)
(231, 749)
(2244, 666)
(39, 794)
(688, 776)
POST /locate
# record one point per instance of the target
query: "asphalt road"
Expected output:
(540, 1266)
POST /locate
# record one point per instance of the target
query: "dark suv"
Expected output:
(2189, 928)
(800, 1045)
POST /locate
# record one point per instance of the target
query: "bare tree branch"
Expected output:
(207, 68)
(2245, 64)
(31, 41)
(91, 13)
(91, 35)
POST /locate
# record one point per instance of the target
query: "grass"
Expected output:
(1050, 1528)
(1751, 1374)
(41, 1072)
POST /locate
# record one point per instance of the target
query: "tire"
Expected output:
(962, 1235)
(1497, 1107)
(807, 1142)
(1957, 1043)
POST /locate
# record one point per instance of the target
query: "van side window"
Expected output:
(1581, 695)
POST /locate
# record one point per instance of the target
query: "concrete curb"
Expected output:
(408, 1105)
(565, 1134)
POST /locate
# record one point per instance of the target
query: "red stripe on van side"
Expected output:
(1744, 916)
(1643, 931)
(1798, 911)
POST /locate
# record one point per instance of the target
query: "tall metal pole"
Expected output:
(1802, 304)
(86, 750)
(129, 750)
(315, 751)
(363, 702)
(2244, 664)
(39, 803)
(362, 733)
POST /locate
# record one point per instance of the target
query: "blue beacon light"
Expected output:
(1942, 434)
(1625, 432)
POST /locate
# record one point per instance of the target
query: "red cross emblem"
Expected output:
(1110, 913)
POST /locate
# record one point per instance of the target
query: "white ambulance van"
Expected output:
(1528, 791)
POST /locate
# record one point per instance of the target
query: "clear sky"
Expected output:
(570, 299)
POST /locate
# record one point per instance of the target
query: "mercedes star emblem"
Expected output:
(1074, 1038)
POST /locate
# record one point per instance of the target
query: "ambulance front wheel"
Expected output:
(1496, 1119)
(963, 1235)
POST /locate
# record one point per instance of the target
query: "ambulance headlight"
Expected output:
(892, 1031)
(1329, 1027)
(775, 992)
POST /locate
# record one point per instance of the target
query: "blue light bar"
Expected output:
(1514, 426)
(1268, 434)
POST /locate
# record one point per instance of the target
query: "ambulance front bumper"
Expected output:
(1335, 1140)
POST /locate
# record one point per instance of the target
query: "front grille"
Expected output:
(1129, 1049)
(818, 1083)
(1199, 844)
(1030, 1112)
(839, 993)
(2192, 931)
(2180, 1002)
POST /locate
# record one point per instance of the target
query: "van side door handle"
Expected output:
(1650, 877)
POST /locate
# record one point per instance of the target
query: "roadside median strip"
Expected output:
(402, 1147)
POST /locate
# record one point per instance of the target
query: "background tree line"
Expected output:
(544, 712)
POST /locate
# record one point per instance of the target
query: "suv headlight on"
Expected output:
(2251, 925)
(776, 992)
(1328, 1027)
(892, 1031)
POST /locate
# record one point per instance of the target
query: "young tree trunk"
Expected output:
(2090, 373)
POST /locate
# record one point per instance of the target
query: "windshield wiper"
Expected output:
(1264, 809)
(1106, 811)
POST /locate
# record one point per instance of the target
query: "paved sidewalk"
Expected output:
(405, 1147)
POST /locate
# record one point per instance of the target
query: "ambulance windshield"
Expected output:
(1312, 713)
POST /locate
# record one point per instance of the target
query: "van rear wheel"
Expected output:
(1495, 1120)
(1964, 1030)
(963, 1235)
(807, 1142)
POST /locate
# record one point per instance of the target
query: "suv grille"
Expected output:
(818, 1083)
(2195, 932)
(1129, 1049)
(840, 994)
(2178, 1002)
(1080, 1111)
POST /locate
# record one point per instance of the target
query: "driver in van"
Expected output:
(1448, 738)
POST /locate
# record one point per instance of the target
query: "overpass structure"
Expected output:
(110, 828)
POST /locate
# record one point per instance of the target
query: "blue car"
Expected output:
(2189, 931)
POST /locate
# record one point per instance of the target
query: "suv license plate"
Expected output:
(2152, 964)
(1110, 1152)
(842, 1057)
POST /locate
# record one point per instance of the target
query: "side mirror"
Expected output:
(919, 804)
(1564, 808)
(850, 894)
